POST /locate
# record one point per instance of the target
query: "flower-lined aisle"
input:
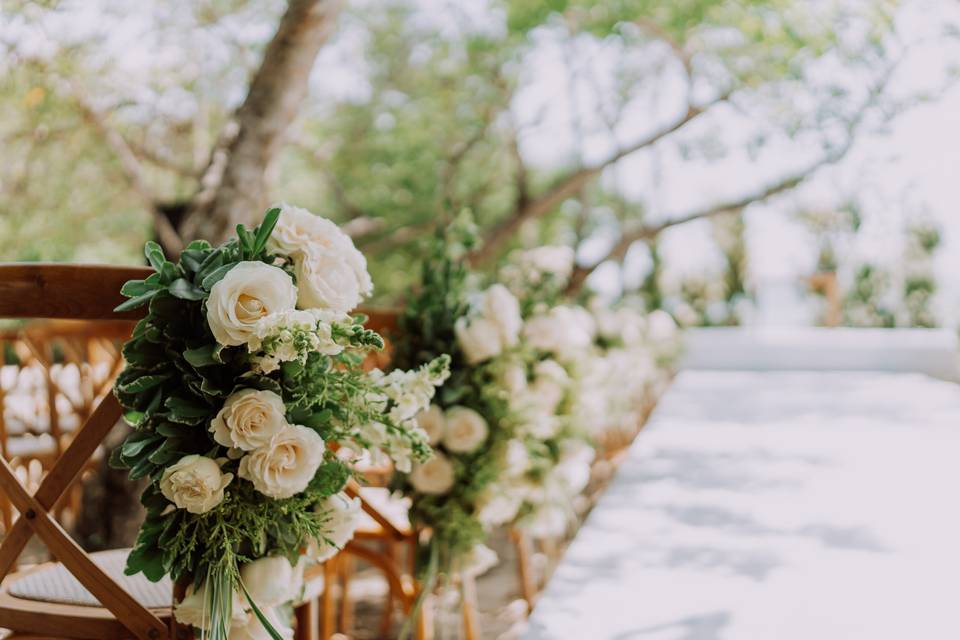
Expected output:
(251, 410)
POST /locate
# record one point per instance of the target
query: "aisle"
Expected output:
(775, 506)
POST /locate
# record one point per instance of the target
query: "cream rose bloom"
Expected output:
(248, 293)
(556, 260)
(466, 430)
(285, 465)
(498, 507)
(272, 580)
(563, 330)
(516, 458)
(194, 609)
(435, 476)
(479, 560)
(479, 339)
(194, 483)
(502, 308)
(549, 521)
(433, 422)
(331, 273)
(249, 419)
(514, 378)
(342, 516)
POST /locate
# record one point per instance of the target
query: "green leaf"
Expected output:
(201, 356)
(265, 229)
(133, 448)
(213, 261)
(168, 272)
(134, 288)
(185, 290)
(174, 430)
(184, 411)
(143, 383)
(146, 559)
(198, 245)
(154, 255)
(246, 240)
(216, 276)
(133, 303)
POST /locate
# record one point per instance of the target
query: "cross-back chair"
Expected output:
(33, 602)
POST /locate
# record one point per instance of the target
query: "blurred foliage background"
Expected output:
(597, 124)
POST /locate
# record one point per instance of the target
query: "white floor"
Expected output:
(775, 506)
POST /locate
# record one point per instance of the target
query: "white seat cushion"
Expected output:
(55, 583)
(395, 509)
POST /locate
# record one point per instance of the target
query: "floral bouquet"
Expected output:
(496, 422)
(242, 382)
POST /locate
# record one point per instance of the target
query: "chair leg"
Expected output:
(307, 620)
(346, 566)
(424, 621)
(468, 589)
(528, 585)
(327, 610)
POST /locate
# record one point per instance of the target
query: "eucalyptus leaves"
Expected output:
(243, 372)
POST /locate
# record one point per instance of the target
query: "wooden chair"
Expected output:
(82, 595)
(29, 601)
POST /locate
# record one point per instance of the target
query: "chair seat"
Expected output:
(30, 446)
(395, 510)
(52, 582)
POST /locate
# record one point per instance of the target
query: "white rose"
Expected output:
(272, 581)
(479, 560)
(562, 330)
(514, 378)
(331, 273)
(574, 475)
(194, 483)
(285, 465)
(498, 507)
(194, 609)
(516, 457)
(342, 515)
(433, 422)
(334, 279)
(249, 419)
(478, 339)
(661, 327)
(551, 370)
(248, 293)
(435, 476)
(541, 426)
(549, 521)
(250, 627)
(466, 430)
(502, 308)
(555, 260)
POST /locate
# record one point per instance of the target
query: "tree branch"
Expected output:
(647, 232)
(573, 182)
(132, 170)
(234, 188)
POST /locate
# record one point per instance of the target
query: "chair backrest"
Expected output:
(88, 292)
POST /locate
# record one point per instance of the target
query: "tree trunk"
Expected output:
(234, 188)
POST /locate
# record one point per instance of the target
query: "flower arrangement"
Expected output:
(242, 382)
(501, 423)
(470, 423)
